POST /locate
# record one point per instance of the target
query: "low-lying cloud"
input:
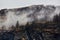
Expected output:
(33, 13)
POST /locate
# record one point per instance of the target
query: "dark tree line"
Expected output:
(56, 18)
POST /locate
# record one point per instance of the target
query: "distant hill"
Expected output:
(32, 13)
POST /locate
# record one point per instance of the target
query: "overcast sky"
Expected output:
(22, 3)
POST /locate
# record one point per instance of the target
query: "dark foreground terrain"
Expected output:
(34, 31)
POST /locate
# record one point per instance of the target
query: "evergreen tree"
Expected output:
(13, 28)
(55, 19)
(17, 25)
(59, 18)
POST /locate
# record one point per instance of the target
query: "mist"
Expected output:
(30, 14)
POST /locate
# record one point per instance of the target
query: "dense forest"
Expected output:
(35, 30)
(39, 31)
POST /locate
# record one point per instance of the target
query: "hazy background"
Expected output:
(22, 3)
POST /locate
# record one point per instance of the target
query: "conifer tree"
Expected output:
(55, 19)
(17, 25)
